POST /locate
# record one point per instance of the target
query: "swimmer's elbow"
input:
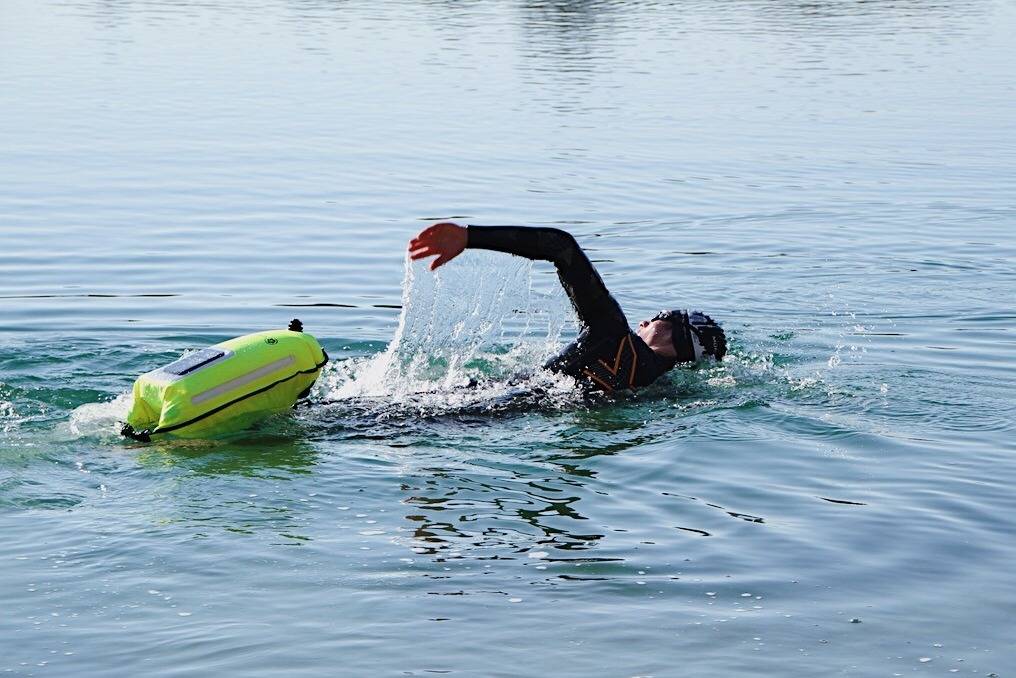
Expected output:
(562, 244)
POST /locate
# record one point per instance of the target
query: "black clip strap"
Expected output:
(141, 436)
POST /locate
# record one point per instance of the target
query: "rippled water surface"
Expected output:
(834, 180)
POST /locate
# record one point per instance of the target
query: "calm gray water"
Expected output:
(834, 180)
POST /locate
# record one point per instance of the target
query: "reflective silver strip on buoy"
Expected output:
(243, 380)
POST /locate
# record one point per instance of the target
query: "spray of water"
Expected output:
(8, 416)
(473, 331)
(98, 419)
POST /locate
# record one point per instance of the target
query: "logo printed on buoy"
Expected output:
(271, 340)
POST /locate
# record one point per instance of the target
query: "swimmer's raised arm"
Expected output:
(592, 301)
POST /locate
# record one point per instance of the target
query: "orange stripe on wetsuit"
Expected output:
(625, 341)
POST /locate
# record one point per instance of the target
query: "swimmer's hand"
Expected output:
(444, 239)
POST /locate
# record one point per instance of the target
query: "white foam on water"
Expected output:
(99, 420)
(8, 416)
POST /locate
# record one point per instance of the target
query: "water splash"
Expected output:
(100, 420)
(480, 322)
(8, 416)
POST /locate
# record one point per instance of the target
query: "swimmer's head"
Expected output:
(683, 337)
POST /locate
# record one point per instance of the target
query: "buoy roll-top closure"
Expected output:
(295, 325)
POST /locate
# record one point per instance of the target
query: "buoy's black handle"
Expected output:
(295, 325)
(141, 436)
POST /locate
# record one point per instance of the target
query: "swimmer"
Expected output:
(608, 355)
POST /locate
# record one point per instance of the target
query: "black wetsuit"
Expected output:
(607, 355)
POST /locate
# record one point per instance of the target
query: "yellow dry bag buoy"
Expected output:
(226, 387)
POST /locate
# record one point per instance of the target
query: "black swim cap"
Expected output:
(694, 335)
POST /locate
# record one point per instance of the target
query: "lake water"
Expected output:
(833, 180)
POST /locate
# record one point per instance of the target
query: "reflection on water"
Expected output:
(278, 455)
(220, 485)
(569, 38)
(495, 517)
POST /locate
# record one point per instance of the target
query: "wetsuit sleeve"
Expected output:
(594, 304)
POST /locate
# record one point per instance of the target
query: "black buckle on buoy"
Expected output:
(141, 436)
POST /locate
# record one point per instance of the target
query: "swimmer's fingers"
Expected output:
(422, 252)
(425, 236)
(434, 233)
(442, 257)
